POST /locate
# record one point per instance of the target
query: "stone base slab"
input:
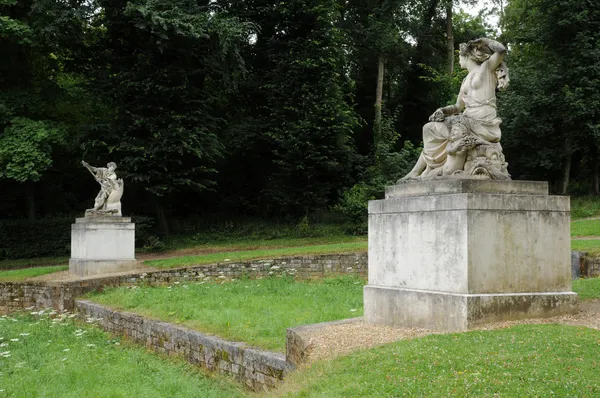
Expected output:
(98, 267)
(458, 312)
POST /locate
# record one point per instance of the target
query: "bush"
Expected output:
(51, 237)
(40, 238)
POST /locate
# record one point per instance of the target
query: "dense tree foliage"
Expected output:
(270, 108)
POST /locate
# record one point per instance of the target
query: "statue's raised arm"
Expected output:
(463, 140)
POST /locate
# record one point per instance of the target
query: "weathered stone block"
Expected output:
(101, 245)
(452, 254)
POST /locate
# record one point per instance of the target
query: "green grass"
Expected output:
(587, 288)
(592, 247)
(64, 359)
(523, 361)
(353, 246)
(32, 262)
(585, 228)
(257, 312)
(24, 273)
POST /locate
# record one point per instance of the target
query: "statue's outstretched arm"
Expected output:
(90, 168)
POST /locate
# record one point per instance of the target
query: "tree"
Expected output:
(553, 107)
(36, 36)
(165, 66)
(310, 122)
(26, 152)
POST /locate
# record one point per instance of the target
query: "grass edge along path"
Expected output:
(59, 357)
(236, 256)
(524, 360)
(20, 274)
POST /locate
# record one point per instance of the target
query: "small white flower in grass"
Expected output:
(352, 309)
(227, 259)
(67, 349)
(177, 283)
(3, 344)
(91, 345)
(14, 340)
(64, 359)
(24, 334)
(5, 354)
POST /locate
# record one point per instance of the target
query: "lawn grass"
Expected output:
(585, 228)
(522, 361)
(32, 262)
(353, 246)
(592, 247)
(257, 312)
(64, 359)
(24, 273)
(587, 288)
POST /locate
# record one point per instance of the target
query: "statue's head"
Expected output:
(112, 166)
(474, 51)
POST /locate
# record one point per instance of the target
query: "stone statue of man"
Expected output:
(108, 200)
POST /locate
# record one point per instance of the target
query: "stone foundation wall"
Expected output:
(16, 296)
(590, 267)
(259, 370)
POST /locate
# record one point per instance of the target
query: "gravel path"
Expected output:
(336, 340)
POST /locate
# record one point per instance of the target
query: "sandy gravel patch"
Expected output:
(341, 339)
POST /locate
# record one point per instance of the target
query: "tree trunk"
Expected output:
(595, 176)
(566, 172)
(378, 102)
(449, 37)
(30, 200)
(163, 225)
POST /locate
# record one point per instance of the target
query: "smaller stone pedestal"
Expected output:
(453, 254)
(101, 245)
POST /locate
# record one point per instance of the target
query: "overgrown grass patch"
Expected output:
(59, 358)
(24, 273)
(257, 312)
(587, 288)
(585, 206)
(526, 360)
(353, 246)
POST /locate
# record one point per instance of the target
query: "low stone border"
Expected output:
(589, 266)
(257, 369)
(15, 296)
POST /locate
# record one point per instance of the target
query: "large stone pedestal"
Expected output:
(101, 245)
(453, 254)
